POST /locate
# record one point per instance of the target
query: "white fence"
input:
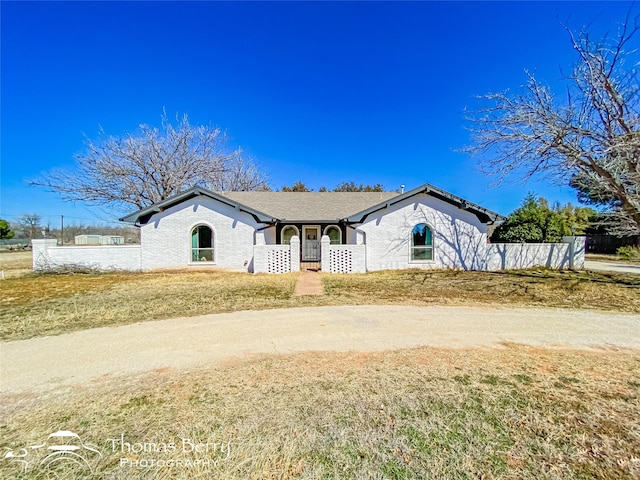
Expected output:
(277, 258)
(507, 256)
(342, 258)
(334, 258)
(47, 256)
(498, 256)
(271, 259)
(286, 258)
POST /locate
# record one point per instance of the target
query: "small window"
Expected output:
(421, 243)
(287, 233)
(335, 234)
(202, 244)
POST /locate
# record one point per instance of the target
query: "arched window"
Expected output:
(334, 233)
(421, 242)
(288, 232)
(202, 244)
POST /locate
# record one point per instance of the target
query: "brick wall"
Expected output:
(166, 239)
(459, 238)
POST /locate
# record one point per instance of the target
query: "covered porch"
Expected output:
(302, 247)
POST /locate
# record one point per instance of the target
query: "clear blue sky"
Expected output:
(370, 92)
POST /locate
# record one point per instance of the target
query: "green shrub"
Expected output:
(629, 253)
(535, 221)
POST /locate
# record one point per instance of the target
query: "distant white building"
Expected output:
(99, 240)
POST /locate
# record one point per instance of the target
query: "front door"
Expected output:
(310, 243)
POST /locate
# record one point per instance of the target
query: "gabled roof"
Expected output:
(300, 207)
(142, 216)
(484, 215)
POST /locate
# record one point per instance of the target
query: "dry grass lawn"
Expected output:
(533, 287)
(53, 304)
(514, 413)
(34, 305)
(14, 264)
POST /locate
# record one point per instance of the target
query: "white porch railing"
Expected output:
(286, 258)
(277, 258)
(342, 258)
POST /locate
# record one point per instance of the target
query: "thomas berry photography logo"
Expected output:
(59, 448)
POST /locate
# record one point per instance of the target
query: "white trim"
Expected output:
(213, 243)
(304, 241)
(282, 233)
(333, 226)
(433, 241)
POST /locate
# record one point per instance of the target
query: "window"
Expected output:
(202, 244)
(334, 233)
(421, 243)
(287, 233)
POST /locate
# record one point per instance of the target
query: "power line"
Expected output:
(17, 216)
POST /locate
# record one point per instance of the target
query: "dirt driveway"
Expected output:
(48, 363)
(603, 266)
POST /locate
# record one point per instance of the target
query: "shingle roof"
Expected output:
(310, 206)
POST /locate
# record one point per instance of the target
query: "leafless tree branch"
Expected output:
(589, 139)
(152, 165)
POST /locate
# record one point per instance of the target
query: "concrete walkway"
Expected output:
(51, 363)
(611, 267)
(309, 283)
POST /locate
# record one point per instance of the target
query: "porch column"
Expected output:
(294, 245)
(325, 242)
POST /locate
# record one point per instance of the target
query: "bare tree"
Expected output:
(589, 139)
(241, 174)
(142, 169)
(70, 232)
(30, 225)
(297, 187)
(341, 187)
(352, 187)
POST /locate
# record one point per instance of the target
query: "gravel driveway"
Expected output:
(46, 363)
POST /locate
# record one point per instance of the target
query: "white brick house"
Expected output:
(334, 231)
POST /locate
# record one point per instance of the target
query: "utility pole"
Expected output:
(62, 229)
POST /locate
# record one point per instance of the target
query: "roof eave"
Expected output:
(158, 207)
(484, 215)
(310, 222)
